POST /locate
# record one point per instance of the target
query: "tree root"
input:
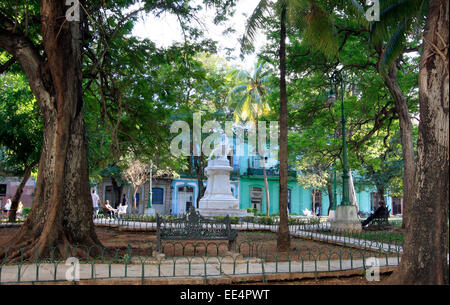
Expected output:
(33, 250)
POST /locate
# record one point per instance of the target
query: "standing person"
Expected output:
(124, 200)
(95, 200)
(7, 207)
(20, 208)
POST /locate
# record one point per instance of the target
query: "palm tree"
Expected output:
(247, 99)
(317, 29)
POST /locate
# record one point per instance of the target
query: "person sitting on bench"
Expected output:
(122, 209)
(109, 209)
(379, 213)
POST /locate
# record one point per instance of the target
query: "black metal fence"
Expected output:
(194, 258)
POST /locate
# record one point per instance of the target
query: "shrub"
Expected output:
(249, 219)
(254, 211)
(219, 218)
(264, 220)
(26, 211)
(234, 220)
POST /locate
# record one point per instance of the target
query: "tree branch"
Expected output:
(7, 64)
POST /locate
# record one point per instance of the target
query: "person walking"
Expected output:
(7, 207)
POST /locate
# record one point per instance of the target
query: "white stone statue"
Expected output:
(218, 199)
(307, 213)
(221, 151)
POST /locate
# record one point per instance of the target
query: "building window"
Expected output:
(110, 195)
(256, 198)
(374, 201)
(157, 195)
(3, 189)
(289, 200)
(396, 205)
(317, 202)
(185, 199)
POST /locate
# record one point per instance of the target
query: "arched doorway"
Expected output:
(185, 199)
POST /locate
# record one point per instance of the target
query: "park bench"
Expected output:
(194, 227)
(381, 222)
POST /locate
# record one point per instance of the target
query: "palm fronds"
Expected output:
(319, 30)
(254, 23)
(397, 18)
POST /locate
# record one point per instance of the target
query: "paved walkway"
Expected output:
(296, 230)
(182, 267)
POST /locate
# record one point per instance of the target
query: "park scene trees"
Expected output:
(90, 91)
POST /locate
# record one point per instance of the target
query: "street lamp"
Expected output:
(333, 207)
(338, 79)
(346, 219)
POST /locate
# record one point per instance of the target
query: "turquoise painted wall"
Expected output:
(300, 198)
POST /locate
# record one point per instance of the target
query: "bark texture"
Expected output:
(409, 167)
(62, 211)
(424, 260)
(283, 239)
(330, 197)
(266, 185)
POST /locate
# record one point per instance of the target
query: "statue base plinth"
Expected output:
(150, 211)
(221, 207)
(332, 215)
(223, 212)
(346, 220)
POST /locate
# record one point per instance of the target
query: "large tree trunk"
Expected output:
(409, 169)
(424, 259)
(62, 211)
(330, 197)
(19, 191)
(283, 239)
(135, 207)
(200, 170)
(313, 205)
(380, 192)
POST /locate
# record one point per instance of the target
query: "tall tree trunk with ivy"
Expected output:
(425, 250)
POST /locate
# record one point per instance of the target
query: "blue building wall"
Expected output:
(300, 198)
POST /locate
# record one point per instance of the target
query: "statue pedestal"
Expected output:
(332, 215)
(346, 220)
(218, 199)
(150, 212)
